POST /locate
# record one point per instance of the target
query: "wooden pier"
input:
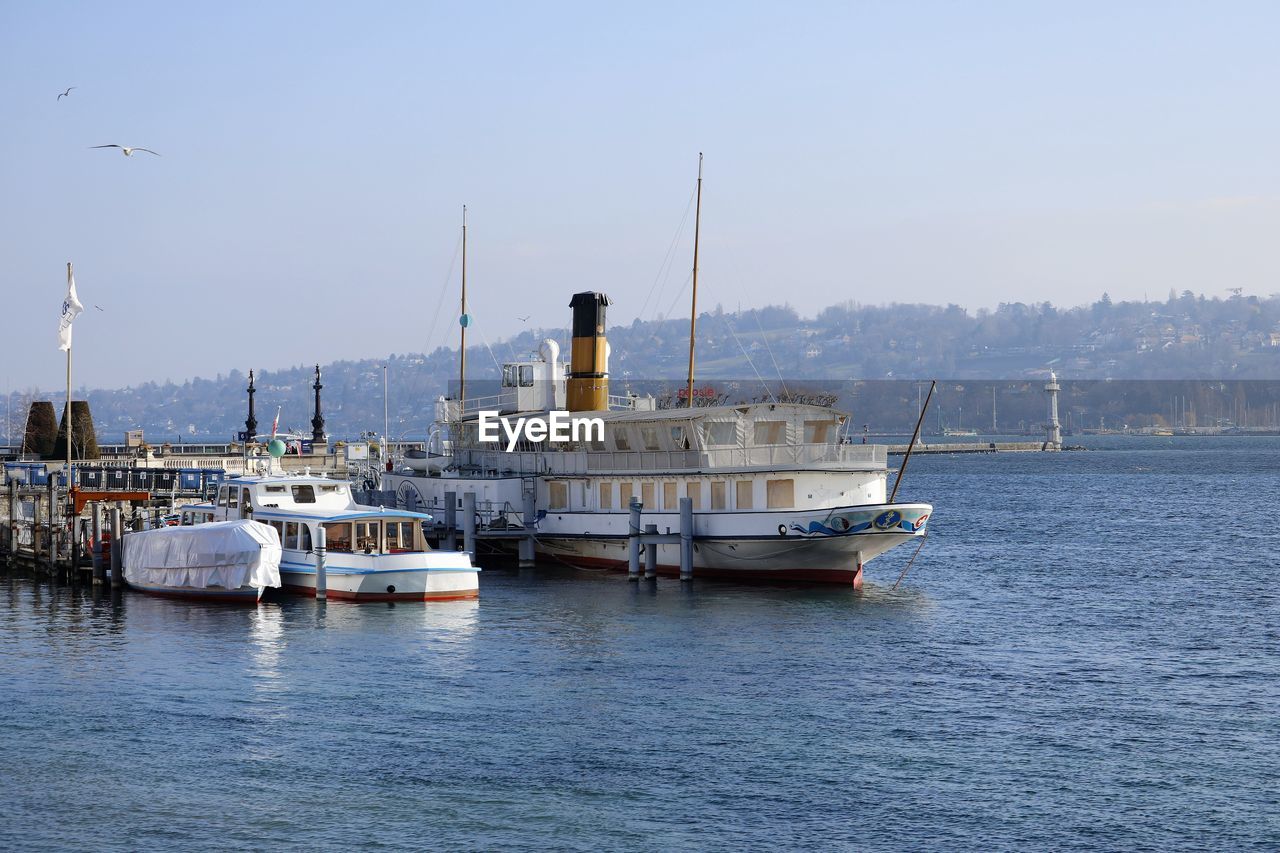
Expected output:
(976, 447)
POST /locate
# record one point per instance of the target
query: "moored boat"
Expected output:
(371, 553)
(226, 561)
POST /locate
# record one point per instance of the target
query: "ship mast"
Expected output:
(693, 311)
(463, 322)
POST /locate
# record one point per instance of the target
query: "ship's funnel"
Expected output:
(588, 385)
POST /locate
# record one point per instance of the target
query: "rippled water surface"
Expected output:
(1086, 654)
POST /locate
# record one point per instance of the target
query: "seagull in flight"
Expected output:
(99, 307)
(525, 318)
(64, 94)
(128, 152)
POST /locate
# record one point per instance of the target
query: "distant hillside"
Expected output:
(1184, 337)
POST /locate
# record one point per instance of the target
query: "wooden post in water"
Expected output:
(633, 540)
(322, 577)
(451, 521)
(526, 550)
(651, 554)
(77, 526)
(52, 497)
(469, 523)
(98, 555)
(117, 548)
(686, 539)
(12, 528)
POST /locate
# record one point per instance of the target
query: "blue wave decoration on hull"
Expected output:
(852, 523)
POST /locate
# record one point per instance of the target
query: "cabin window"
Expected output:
(693, 489)
(606, 495)
(669, 496)
(743, 494)
(305, 495)
(304, 538)
(329, 490)
(780, 494)
(399, 537)
(679, 440)
(233, 497)
(597, 441)
(290, 534)
(222, 496)
(275, 490)
(620, 438)
(771, 432)
(646, 495)
(337, 535)
(279, 528)
(721, 433)
(649, 438)
(559, 494)
(526, 376)
(817, 432)
(245, 502)
(626, 491)
(367, 537)
(509, 374)
(717, 495)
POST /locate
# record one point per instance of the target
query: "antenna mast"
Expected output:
(693, 311)
(463, 322)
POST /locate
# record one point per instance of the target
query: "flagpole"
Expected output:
(69, 431)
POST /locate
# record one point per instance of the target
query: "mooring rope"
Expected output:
(912, 560)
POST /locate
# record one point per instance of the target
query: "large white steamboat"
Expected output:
(776, 493)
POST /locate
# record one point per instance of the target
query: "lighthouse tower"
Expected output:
(1053, 430)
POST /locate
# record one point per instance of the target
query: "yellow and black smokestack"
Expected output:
(588, 386)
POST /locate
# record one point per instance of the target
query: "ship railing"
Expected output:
(570, 462)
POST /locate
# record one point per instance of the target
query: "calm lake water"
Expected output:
(1085, 655)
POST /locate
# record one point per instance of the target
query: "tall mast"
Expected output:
(693, 311)
(70, 482)
(463, 320)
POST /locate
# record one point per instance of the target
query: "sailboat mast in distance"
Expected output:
(693, 311)
(463, 322)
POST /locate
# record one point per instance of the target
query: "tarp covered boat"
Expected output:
(227, 559)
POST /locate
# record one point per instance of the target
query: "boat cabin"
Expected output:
(297, 507)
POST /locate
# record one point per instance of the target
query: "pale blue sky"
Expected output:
(316, 157)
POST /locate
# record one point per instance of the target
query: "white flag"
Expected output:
(71, 309)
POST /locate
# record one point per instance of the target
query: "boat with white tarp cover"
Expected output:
(229, 560)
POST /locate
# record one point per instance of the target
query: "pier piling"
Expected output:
(529, 512)
(469, 523)
(651, 554)
(322, 578)
(12, 528)
(98, 553)
(686, 539)
(633, 541)
(117, 548)
(451, 521)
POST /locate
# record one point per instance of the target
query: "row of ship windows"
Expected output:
(373, 537)
(714, 434)
(779, 494)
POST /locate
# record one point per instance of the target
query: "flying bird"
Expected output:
(99, 307)
(524, 319)
(128, 152)
(64, 94)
